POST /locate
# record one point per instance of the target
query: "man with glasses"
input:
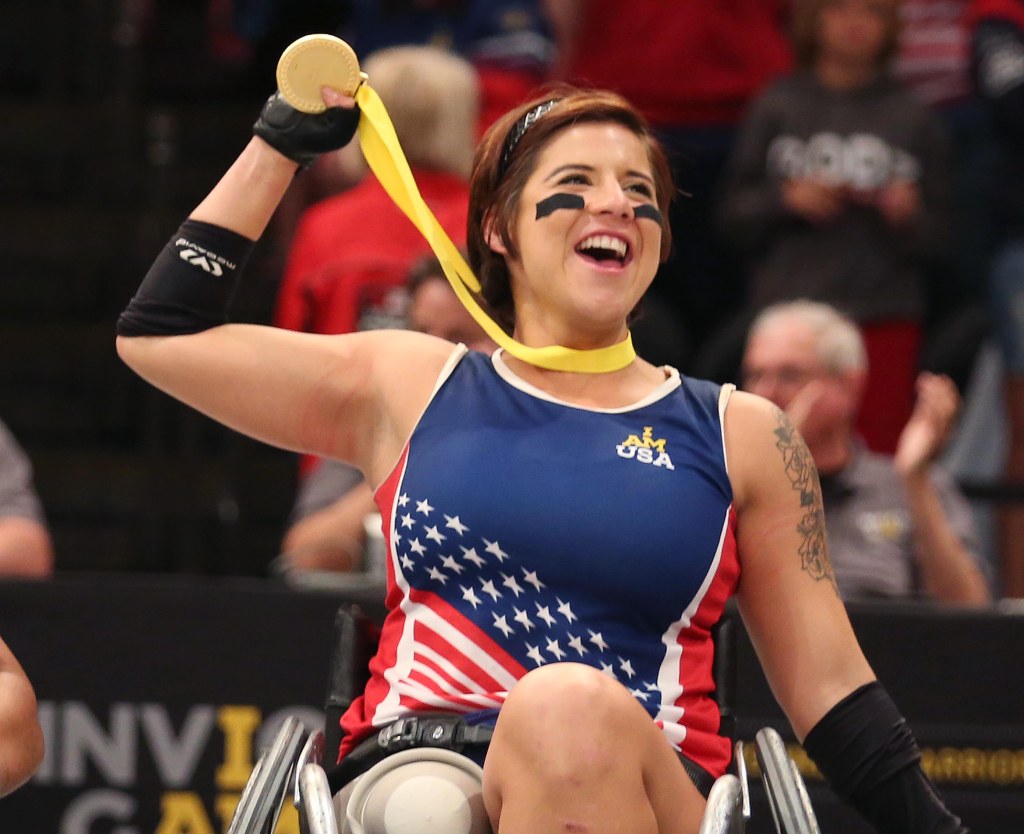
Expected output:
(897, 525)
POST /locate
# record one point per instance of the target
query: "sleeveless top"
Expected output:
(522, 530)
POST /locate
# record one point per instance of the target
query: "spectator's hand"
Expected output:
(899, 202)
(814, 200)
(805, 404)
(929, 425)
(302, 137)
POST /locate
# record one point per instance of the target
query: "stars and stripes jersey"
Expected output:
(522, 530)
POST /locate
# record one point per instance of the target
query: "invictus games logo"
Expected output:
(645, 449)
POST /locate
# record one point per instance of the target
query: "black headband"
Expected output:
(518, 129)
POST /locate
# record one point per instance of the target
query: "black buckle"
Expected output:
(399, 735)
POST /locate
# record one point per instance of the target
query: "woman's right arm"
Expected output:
(354, 397)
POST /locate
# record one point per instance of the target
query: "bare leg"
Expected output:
(573, 751)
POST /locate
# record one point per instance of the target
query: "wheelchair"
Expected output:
(293, 768)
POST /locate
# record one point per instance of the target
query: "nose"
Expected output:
(610, 198)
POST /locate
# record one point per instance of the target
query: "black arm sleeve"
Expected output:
(867, 752)
(190, 284)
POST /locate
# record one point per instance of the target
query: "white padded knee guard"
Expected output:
(418, 791)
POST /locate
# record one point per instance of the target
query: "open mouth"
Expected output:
(604, 250)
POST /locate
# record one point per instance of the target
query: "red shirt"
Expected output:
(349, 250)
(688, 62)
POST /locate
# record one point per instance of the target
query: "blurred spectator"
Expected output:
(897, 526)
(998, 59)
(508, 42)
(25, 545)
(933, 61)
(691, 67)
(327, 527)
(839, 190)
(21, 737)
(350, 251)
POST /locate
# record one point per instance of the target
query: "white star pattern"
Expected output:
(511, 583)
(489, 589)
(555, 650)
(470, 596)
(452, 522)
(470, 555)
(502, 625)
(450, 563)
(495, 596)
(545, 614)
(495, 550)
(523, 618)
(530, 577)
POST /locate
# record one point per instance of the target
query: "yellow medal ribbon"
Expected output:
(386, 159)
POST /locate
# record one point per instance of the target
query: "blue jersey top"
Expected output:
(522, 530)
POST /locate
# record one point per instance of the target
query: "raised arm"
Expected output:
(354, 397)
(941, 518)
(788, 598)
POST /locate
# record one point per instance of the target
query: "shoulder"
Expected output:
(758, 438)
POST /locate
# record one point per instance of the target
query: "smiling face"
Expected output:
(581, 269)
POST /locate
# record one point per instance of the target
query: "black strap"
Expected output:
(698, 775)
(450, 732)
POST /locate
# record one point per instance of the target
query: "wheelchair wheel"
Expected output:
(316, 807)
(784, 786)
(264, 793)
(724, 811)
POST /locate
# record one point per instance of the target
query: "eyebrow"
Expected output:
(561, 169)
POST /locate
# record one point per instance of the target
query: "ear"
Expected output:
(493, 236)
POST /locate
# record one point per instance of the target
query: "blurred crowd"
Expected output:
(849, 167)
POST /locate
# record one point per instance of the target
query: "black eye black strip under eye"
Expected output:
(649, 211)
(551, 204)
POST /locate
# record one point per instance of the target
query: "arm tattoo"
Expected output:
(803, 477)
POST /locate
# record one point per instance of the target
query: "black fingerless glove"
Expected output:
(302, 137)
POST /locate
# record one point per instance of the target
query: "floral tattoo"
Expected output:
(803, 477)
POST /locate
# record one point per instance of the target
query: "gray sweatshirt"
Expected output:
(862, 139)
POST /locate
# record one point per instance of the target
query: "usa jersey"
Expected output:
(522, 530)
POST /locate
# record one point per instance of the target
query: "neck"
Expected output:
(836, 74)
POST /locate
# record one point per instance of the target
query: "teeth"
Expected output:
(613, 244)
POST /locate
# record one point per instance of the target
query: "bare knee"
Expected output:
(568, 714)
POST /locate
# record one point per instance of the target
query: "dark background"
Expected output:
(116, 118)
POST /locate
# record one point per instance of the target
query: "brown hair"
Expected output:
(507, 156)
(806, 22)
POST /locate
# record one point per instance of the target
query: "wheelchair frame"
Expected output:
(294, 763)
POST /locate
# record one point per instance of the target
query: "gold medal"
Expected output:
(316, 61)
